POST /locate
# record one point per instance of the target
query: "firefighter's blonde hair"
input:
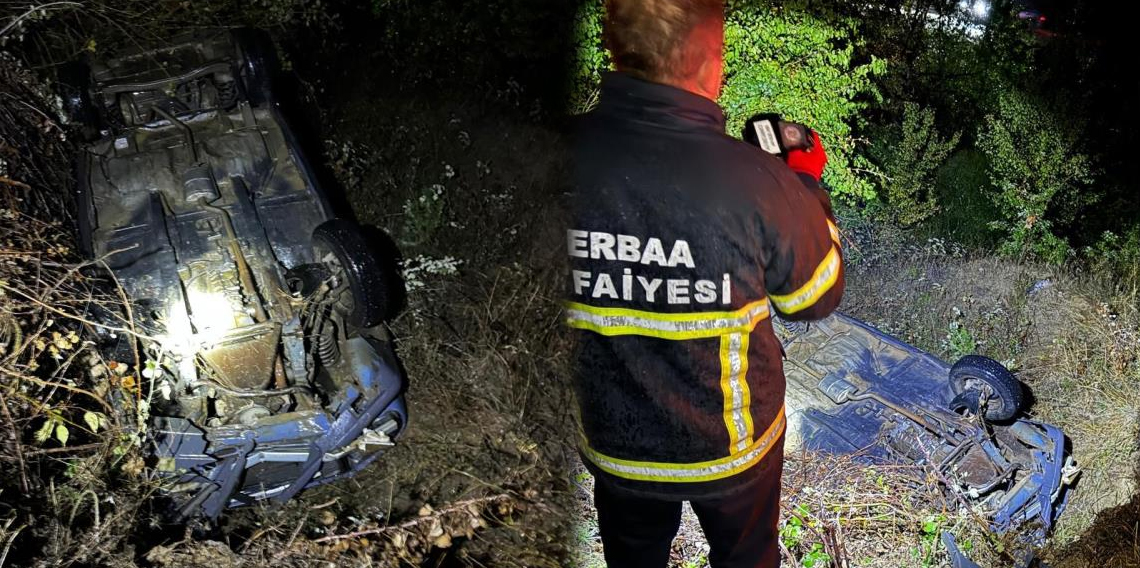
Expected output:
(649, 38)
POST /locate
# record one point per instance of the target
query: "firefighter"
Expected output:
(683, 244)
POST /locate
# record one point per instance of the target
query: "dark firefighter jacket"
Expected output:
(682, 242)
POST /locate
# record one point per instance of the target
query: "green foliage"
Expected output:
(937, 63)
(803, 68)
(424, 215)
(816, 557)
(1035, 164)
(959, 341)
(962, 188)
(590, 58)
(1119, 253)
(910, 155)
(792, 534)
(776, 60)
(55, 422)
(931, 533)
(699, 562)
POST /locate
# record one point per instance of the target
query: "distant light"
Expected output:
(981, 8)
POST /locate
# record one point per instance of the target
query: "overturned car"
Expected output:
(268, 368)
(855, 390)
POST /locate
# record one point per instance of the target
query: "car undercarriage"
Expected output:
(268, 368)
(855, 390)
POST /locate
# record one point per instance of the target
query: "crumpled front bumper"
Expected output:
(1043, 492)
(207, 470)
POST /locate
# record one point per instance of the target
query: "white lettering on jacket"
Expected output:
(629, 286)
(597, 245)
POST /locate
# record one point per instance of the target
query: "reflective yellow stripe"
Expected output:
(734, 385)
(834, 232)
(821, 281)
(733, 329)
(691, 325)
(746, 402)
(690, 472)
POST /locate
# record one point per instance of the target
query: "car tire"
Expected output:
(358, 264)
(1007, 398)
(257, 65)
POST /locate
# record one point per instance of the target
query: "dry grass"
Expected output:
(1083, 361)
(1072, 337)
(836, 511)
(69, 458)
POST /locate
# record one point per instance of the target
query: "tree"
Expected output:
(1035, 160)
(776, 60)
(802, 67)
(909, 157)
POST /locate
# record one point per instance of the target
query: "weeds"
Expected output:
(959, 342)
(837, 511)
(930, 542)
(424, 214)
(796, 542)
(70, 452)
(1071, 333)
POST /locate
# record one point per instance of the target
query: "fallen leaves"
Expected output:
(431, 528)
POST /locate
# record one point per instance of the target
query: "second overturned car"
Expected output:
(855, 390)
(259, 316)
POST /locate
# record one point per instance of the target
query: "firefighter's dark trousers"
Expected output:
(741, 529)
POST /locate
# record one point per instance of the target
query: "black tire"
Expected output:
(358, 264)
(258, 65)
(1007, 396)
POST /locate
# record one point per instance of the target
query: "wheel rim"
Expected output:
(345, 302)
(988, 395)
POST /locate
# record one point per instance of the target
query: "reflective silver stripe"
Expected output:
(736, 387)
(704, 471)
(695, 325)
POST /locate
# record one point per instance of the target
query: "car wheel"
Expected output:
(340, 245)
(974, 372)
(257, 64)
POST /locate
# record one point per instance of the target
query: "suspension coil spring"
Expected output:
(327, 348)
(227, 93)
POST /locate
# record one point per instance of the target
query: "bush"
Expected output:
(962, 188)
(590, 59)
(801, 67)
(910, 155)
(775, 61)
(1119, 254)
(1035, 161)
